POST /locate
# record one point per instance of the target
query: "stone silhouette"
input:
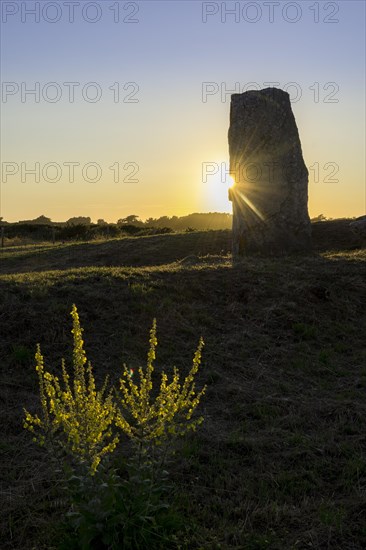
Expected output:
(270, 193)
(358, 228)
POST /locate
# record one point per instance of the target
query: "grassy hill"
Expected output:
(280, 461)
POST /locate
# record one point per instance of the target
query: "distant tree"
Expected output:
(102, 222)
(129, 220)
(150, 221)
(198, 221)
(79, 220)
(163, 221)
(42, 219)
(320, 218)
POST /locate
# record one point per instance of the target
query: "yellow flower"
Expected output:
(152, 422)
(78, 417)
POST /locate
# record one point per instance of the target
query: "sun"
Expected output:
(216, 181)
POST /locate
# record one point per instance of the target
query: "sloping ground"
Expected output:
(155, 250)
(335, 235)
(280, 461)
(129, 251)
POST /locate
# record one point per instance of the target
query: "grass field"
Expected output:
(280, 460)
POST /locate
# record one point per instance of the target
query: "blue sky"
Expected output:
(163, 141)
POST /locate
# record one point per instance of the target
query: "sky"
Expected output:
(112, 108)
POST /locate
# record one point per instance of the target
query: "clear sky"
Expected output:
(141, 127)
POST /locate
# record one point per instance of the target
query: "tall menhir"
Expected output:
(270, 193)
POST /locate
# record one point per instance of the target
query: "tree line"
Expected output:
(196, 221)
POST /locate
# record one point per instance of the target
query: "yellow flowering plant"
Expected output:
(129, 497)
(77, 416)
(150, 421)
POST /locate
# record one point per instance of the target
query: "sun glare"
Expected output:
(245, 200)
(217, 181)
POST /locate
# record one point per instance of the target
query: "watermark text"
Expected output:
(70, 12)
(54, 92)
(69, 171)
(270, 12)
(318, 92)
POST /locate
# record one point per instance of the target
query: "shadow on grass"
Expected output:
(279, 461)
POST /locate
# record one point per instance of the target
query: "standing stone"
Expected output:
(270, 193)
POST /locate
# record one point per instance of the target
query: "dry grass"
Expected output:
(280, 460)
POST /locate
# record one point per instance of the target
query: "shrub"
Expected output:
(76, 417)
(170, 414)
(114, 502)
